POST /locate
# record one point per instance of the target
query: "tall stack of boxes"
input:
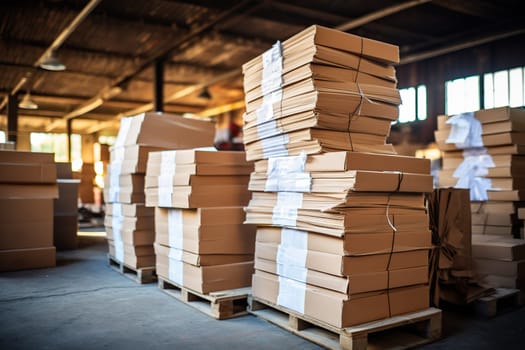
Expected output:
(27, 190)
(484, 151)
(201, 241)
(66, 209)
(342, 236)
(129, 224)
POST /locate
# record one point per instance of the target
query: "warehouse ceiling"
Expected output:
(110, 48)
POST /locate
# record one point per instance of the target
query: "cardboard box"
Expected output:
(354, 284)
(26, 191)
(349, 265)
(501, 114)
(130, 159)
(27, 167)
(177, 228)
(496, 281)
(141, 223)
(349, 244)
(498, 248)
(65, 232)
(64, 170)
(201, 259)
(337, 309)
(199, 197)
(499, 267)
(131, 210)
(133, 237)
(205, 279)
(165, 130)
(23, 259)
(67, 201)
(130, 259)
(26, 223)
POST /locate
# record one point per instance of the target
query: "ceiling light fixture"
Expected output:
(205, 94)
(27, 103)
(52, 63)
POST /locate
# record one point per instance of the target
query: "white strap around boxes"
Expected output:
(116, 228)
(175, 266)
(291, 254)
(175, 227)
(168, 168)
(292, 294)
(287, 174)
(286, 209)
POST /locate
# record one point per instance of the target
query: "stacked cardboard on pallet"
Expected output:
(342, 237)
(129, 224)
(27, 190)
(500, 261)
(321, 90)
(485, 152)
(201, 242)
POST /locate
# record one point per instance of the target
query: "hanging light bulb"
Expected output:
(52, 63)
(27, 103)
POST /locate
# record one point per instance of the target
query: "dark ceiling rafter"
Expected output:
(476, 8)
(114, 88)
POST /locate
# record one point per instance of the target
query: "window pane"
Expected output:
(488, 86)
(501, 88)
(57, 143)
(407, 109)
(2, 136)
(462, 95)
(422, 102)
(516, 87)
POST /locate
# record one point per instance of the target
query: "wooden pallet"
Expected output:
(398, 332)
(500, 300)
(219, 305)
(140, 275)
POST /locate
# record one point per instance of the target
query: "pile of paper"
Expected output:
(201, 241)
(129, 224)
(342, 237)
(320, 90)
(484, 151)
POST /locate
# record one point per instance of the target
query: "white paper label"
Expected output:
(175, 228)
(291, 294)
(175, 266)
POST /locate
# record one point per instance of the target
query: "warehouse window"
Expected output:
(413, 104)
(504, 88)
(462, 95)
(57, 143)
(2, 136)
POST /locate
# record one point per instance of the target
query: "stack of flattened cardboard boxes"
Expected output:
(484, 151)
(500, 261)
(27, 190)
(129, 224)
(201, 241)
(342, 237)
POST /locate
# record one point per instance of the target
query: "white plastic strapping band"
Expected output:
(291, 254)
(287, 174)
(116, 228)
(175, 266)
(175, 228)
(286, 208)
(272, 68)
(275, 146)
(292, 294)
(168, 168)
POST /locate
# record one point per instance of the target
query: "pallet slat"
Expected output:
(400, 332)
(502, 298)
(219, 305)
(139, 275)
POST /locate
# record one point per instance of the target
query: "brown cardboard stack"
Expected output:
(321, 90)
(86, 176)
(499, 261)
(342, 237)
(27, 190)
(452, 278)
(65, 212)
(129, 224)
(485, 152)
(201, 241)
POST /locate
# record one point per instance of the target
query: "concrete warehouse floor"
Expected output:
(83, 304)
